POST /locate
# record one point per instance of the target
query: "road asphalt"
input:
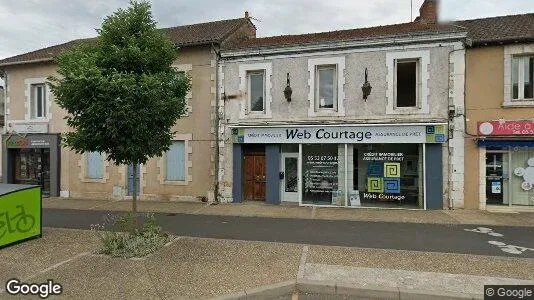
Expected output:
(445, 238)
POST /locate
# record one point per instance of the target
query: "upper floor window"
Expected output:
(256, 91)
(175, 167)
(38, 101)
(326, 81)
(522, 77)
(406, 82)
(326, 87)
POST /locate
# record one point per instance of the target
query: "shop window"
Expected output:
(522, 77)
(385, 175)
(322, 173)
(326, 87)
(38, 101)
(256, 91)
(521, 190)
(95, 165)
(175, 162)
(406, 84)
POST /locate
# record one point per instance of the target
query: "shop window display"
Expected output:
(386, 175)
(522, 179)
(377, 175)
(322, 172)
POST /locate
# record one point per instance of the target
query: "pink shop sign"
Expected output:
(503, 128)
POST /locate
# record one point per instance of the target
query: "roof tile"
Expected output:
(413, 28)
(500, 30)
(188, 35)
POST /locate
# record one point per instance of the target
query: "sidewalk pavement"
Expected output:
(260, 209)
(205, 268)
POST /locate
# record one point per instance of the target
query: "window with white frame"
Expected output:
(522, 75)
(407, 83)
(94, 165)
(38, 101)
(256, 91)
(175, 162)
(326, 87)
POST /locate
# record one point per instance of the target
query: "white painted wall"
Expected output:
(445, 85)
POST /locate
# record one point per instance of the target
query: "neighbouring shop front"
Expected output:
(507, 168)
(32, 159)
(372, 165)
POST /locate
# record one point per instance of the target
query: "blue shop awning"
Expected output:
(505, 143)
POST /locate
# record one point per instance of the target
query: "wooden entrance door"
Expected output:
(255, 177)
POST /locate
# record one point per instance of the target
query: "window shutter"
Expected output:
(95, 165)
(175, 162)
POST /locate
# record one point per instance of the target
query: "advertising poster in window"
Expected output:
(384, 176)
(320, 173)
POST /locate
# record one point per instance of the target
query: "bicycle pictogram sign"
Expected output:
(20, 222)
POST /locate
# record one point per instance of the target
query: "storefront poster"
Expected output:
(527, 174)
(495, 187)
(435, 133)
(320, 172)
(383, 176)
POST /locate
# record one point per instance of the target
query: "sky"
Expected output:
(27, 25)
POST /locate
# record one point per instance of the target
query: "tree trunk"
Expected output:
(134, 196)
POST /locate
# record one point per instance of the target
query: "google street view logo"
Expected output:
(43, 290)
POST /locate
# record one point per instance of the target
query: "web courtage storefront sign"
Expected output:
(427, 133)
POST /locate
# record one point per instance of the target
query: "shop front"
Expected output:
(507, 165)
(32, 159)
(379, 165)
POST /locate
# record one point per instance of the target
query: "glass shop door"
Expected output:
(32, 166)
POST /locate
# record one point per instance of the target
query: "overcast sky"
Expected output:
(27, 25)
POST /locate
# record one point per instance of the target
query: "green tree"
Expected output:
(120, 92)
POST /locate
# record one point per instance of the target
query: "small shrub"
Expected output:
(121, 236)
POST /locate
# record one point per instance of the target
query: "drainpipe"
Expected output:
(217, 124)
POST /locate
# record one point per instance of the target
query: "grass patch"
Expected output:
(126, 236)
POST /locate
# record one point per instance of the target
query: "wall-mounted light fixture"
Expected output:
(366, 87)
(288, 91)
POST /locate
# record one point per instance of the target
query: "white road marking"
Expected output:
(485, 230)
(512, 249)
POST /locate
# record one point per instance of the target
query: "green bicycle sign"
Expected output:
(20, 213)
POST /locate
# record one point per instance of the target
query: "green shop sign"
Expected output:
(20, 213)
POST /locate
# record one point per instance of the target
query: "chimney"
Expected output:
(246, 15)
(428, 13)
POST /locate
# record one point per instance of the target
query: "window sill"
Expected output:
(406, 111)
(39, 120)
(94, 180)
(257, 116)
(177, 182)
(326, 113)
(519, 103)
